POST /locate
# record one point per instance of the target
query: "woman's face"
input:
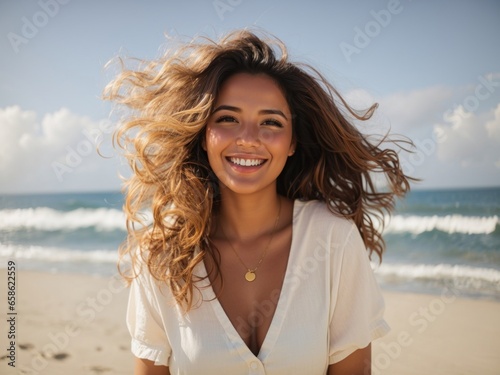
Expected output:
(249, 133)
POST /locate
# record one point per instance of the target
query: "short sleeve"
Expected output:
(358, 309)
(145, 323)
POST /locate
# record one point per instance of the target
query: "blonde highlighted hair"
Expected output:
(171, 99)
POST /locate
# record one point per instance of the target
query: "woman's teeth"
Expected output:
(247, 162)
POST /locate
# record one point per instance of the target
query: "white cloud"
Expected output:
(471, 140)
(415, 112)
(57, 153)
(416, 109)
(408, 113)
(456, 130)
(493, 126)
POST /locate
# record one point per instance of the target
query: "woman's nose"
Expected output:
(249, 136)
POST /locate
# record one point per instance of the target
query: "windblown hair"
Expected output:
(171, 100)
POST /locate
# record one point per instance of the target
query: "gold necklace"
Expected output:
(250, 274)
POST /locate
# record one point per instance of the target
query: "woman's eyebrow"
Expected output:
(228, 108)
(273, 112)
(261, 112)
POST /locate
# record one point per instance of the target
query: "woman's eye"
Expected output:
(225, 119)
(273, 123)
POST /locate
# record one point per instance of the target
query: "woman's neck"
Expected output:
(246, 217)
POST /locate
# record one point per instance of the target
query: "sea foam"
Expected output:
(48, 219)
(462, 276)
(53, 254)
(448, 224)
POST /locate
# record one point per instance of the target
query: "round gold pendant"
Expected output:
(250, 276)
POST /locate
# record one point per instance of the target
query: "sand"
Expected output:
(443, 334)
(74, 324)
(67, 324)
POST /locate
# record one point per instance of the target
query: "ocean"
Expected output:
(436, 240)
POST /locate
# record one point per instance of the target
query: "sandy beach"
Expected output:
(74, 324)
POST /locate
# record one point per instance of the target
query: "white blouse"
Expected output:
(330, 305)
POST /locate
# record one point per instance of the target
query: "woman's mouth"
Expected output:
(247, 162)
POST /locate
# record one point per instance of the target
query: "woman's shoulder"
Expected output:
(313, 220)
(317, 213)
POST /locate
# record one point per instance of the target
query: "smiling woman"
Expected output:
(263, 209)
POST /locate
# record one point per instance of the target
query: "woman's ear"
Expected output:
(293, 146)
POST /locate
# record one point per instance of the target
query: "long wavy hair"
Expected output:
(170, 100)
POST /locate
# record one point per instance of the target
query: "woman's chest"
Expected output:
(250, 304)
(296, 341)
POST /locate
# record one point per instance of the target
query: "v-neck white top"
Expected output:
(330, 305)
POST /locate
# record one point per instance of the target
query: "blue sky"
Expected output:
(434, 67)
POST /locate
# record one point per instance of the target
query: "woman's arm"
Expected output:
(145, 367)
(357, 363)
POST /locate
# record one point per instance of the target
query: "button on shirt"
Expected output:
(330, 305)
(256, 368)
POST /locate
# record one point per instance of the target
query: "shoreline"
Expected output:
(74, 323)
